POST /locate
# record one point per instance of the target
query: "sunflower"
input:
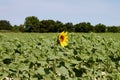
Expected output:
(63, 39)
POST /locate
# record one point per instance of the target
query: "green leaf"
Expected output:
(41, 71)
(62, 71)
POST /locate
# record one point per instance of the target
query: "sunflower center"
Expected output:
(62, 38)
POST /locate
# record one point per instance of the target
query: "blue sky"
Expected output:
(94, 11)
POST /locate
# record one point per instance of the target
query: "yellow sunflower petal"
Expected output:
(63, 39)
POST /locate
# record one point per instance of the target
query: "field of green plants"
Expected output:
(39, 56)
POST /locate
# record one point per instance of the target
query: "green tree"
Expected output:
(5, 25)
(15, 28)
(60, 26)
(51, 26)
(100, 28)
(45, 25)
(19, 28)
(32, 24)
(113, 29)
(83, 27)
(118, 28)
(69, 27)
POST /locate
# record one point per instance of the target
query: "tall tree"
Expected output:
(113, 29)
(83, 27)
(51, 26)
(60, 26)
(32, 24)
(5, 25)
(100, 28)
(69, 27)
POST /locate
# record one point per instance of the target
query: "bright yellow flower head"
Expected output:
(63, 39)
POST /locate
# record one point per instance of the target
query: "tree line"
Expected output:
(33, 24)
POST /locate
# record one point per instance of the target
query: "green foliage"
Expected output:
(100, 28)
(5, 25)
(32, 24)
(48, 26)
(85, 58)
(19, 28)
(113, 29)
(69, 27)
(84, 27)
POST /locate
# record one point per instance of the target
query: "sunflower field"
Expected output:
(66, 56)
